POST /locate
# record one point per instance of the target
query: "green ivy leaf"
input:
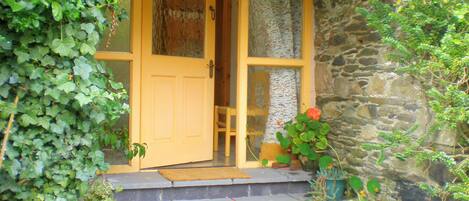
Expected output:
(21, 56)
(67, 87)
(88, 27)
(63, 47)
(26, 120)
(82, 99)
(82, 68)
(86, 49)
(57, 12)
(15, 6)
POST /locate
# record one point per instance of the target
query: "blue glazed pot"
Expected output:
(335, 189)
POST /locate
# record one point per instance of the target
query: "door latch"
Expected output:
(211, 68)
(212, 11)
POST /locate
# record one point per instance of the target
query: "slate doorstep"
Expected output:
(281, 197)
(263, 182)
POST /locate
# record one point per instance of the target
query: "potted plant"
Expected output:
(304, 137)
(334, 178)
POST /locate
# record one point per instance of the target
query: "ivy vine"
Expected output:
(66, 98)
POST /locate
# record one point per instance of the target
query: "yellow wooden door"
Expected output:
(177, 81)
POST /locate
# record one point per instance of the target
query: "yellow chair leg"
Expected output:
(228, 133)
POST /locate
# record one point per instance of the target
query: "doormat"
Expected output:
(193, 174)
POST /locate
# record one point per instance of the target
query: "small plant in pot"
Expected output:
(304, 137)
(333, 178)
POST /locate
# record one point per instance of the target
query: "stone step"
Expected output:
(151, 186)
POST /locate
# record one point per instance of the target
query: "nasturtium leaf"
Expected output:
(305, 149)
(325, 162)
(82, 99)
(57, 11)
(283, 159)
(264, 162)
(356, 183)
(322, 143)
(312, 156)
(373, 186)
(325, 128)
(307, 136)
(284, 142)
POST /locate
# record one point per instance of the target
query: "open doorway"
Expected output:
(225, 84)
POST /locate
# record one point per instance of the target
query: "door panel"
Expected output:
(177, 91)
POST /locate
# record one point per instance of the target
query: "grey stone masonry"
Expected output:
(360, 95)
(150, 186)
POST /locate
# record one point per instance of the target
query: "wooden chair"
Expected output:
(223, 115)
(222, 124)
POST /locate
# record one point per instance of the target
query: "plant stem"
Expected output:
(7, 132)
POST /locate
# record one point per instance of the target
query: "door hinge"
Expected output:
(212, 12)
(211, 68)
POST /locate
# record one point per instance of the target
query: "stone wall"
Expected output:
(360, 94)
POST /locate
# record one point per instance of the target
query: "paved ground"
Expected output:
(282, 197)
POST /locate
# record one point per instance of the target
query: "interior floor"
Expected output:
(219, 159)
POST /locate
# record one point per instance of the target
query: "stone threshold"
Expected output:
(149, 180)
(151, 186)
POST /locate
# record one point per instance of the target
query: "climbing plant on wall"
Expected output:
(429, 40)
(66, 98)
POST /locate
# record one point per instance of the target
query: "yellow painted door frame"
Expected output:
(134, 59)
(305, 63)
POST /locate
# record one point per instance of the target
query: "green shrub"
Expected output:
(66, 98)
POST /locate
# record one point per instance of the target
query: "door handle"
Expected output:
(212, 12)
(211, 68)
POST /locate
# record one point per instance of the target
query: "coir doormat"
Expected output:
(203, 174)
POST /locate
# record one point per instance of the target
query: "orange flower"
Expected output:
(313, 113)
(362, 193)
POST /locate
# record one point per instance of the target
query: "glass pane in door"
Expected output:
(120, 40)
(121, 73)
(275, 28)
(273, 99)
(178, 28)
